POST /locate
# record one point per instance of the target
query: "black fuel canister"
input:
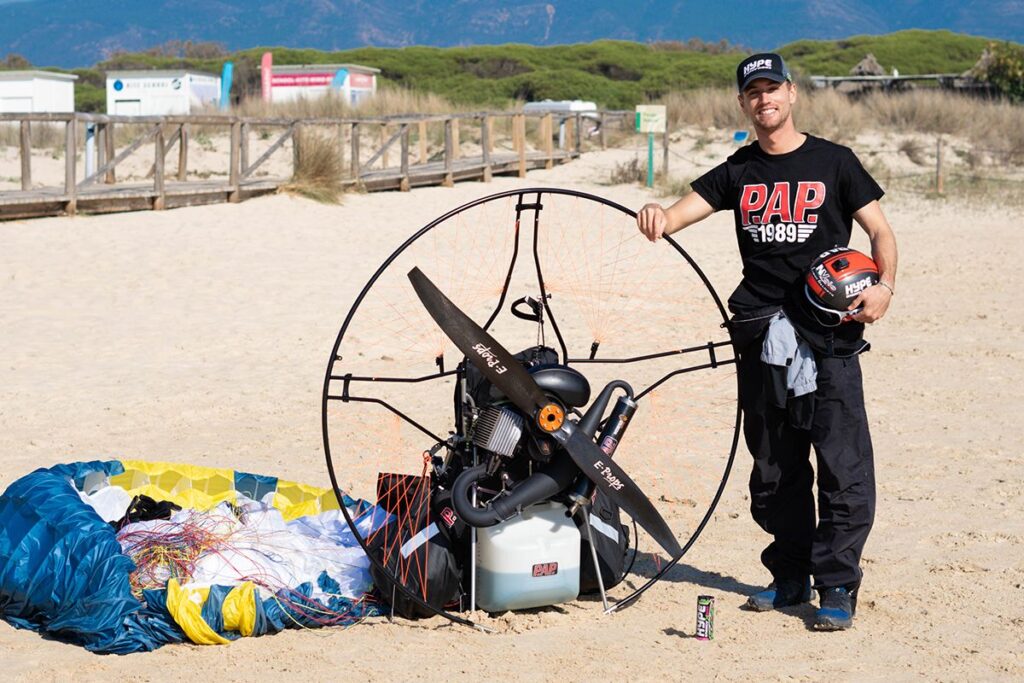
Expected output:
(616, 424)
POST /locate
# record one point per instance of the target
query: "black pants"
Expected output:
(828, 547)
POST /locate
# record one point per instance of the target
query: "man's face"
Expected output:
(768, 104)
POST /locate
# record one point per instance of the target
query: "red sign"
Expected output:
(301, 80)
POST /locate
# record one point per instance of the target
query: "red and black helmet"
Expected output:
(834, 281)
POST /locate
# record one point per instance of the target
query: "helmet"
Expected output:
(834, 281)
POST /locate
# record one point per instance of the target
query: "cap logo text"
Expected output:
(757, 65)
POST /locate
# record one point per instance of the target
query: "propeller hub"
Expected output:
(551, 417)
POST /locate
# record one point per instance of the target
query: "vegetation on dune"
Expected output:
(614, 74)
(910, 52)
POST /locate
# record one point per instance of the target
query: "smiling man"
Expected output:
(795, 196)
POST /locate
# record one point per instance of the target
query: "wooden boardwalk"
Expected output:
(169, 188)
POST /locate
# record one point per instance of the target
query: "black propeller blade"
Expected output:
(505, 373)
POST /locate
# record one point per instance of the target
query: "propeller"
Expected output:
(505, 373)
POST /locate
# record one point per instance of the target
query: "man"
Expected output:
(795, 196)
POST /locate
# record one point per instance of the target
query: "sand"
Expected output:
(201, 335)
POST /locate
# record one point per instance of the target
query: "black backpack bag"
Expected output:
(424, 546)
(611, 540)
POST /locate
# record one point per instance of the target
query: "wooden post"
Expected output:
(296, 136)
(521, 130)
(490, 134)
(355, 150)
(183, 153)
(514, 130)
(244, 151)
(111, 176)
(423, 142)
(26, 155)
(404, 184)
(569, 124)
(449, 180)
(939, 184)
(549, 144)
(235, 193)
(160, 199)
(664, 154)
(455, 139)
(70, 148)
(101, 144)
(579, 133)
(383, 141)
(340, 133)
(485, 147)
(600, 130)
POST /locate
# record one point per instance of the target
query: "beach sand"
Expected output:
(201, 335)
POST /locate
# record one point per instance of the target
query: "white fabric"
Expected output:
(109, 502)
(263, 548)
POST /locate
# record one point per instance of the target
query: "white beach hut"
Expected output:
(290, 82)
(157, 93)
(37, 92)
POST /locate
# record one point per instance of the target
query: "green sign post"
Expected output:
(650, 119)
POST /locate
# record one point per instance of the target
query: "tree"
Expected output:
(15, 61)
(1005, 71)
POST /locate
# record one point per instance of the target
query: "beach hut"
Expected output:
(157, 93)
(36, 91)
(290, 82)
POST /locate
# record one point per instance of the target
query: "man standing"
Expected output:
(794, 196)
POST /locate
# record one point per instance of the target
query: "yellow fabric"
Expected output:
(191, 486)
(185, 606)
(298, 500)
(202, 488)
(329, 501)
(239, 609)
(295, 510)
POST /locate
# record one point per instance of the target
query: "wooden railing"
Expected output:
(431, 149)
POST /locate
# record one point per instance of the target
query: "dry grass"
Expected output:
(318, 168)
(670, 186)
(44, 135)
(914, 149)
(992, 125)
(705, 108)
(627, 172)
(388, 102)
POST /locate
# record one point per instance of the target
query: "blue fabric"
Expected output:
(61, 567)
(254, 486)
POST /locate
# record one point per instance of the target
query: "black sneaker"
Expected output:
(781, 593)
(836, 611)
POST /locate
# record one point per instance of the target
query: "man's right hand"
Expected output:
(652, 221)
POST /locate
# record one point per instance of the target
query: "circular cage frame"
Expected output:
(713, 362)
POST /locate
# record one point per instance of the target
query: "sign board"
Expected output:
(651, 118)
(303, 80)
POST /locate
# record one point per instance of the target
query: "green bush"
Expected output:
(1006, 71)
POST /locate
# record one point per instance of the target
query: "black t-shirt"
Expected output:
(789, 208)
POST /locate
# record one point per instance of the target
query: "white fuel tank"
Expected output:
(529, 561)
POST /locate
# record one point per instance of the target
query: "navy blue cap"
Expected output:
(762, 65)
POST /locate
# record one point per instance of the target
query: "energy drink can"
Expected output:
(705, 617)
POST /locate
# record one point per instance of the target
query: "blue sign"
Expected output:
(118, 85)
(339, 79)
